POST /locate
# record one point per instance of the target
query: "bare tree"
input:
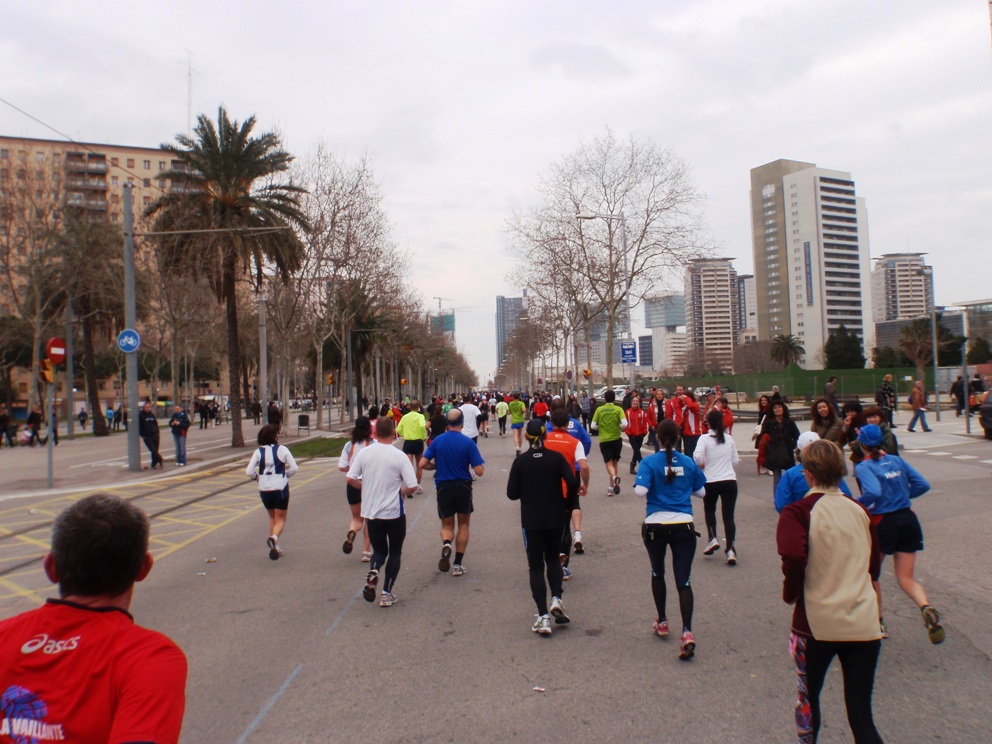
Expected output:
(31, 218)
(351, 268)
(648, 222)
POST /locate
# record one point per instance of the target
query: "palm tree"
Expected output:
(787, 349)
(245, 219)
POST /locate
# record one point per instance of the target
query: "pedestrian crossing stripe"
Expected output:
(965, 457)
(987, 462)
(940, 454)
(914, 452)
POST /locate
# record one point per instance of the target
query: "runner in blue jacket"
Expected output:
(887, 485)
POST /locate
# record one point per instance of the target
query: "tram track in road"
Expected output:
(152, 516)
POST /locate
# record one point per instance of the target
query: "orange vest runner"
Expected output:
(564, 444)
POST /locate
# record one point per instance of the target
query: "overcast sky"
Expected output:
(464, 105)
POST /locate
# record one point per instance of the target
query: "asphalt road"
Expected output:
(288, 651)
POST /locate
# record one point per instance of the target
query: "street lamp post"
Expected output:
(627, 277)
(925, 272)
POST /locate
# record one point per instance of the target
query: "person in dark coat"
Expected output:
(148, 430)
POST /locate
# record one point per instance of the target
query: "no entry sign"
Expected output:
(55, 349)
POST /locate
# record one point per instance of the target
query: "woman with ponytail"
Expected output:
(668, 480)
(717, 455)
(887, 485)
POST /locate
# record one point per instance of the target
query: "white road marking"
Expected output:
(987, 462)
(939, 454)
(965, 457)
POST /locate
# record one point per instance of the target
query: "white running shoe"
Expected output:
(558, 611)
(542, 625)
(712, 546)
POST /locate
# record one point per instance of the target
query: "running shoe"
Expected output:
(579, 548)
(731, 557)
(883, 628)
(931, 618)
(661, 628)
(558, 611)
(387, 599)
(633, 468)
(566, 573)
(349, 542)
(542, 625)
(712, 546)
(274, 551)
(371, 579)
(458, 570)
(688, 647)
(563, 559)
(366, 556)
(445, 563)
(616, 485)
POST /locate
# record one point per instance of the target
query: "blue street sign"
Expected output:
(628, 352)
(128, 341)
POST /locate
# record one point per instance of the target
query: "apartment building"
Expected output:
(712, 312)
(901, 286)
(810, 242)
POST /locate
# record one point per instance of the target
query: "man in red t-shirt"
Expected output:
(78, 669)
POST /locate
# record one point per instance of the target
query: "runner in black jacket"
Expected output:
(536, 481)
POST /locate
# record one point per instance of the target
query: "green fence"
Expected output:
(796, 383)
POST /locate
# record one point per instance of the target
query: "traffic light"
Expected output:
(46, 371)
(587, 373)
(330, 379)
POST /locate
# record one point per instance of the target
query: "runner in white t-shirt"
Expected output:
(385, 476)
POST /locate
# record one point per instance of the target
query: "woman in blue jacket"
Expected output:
(668, 480)
(887, 485)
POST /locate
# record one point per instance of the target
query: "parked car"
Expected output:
(618, 390)
(985, 414)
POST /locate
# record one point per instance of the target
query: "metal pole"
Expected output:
(130, 321)
(349, 389)
(967, 385)
(263, 350)
(933, 338)
(51, 425)
(70, 391)
(629, 279)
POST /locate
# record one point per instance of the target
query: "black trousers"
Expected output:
(542, 557)
(152, 444)
(386, 537)
(858, 660)
(726, 493)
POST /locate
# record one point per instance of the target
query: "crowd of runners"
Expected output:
(831, 540)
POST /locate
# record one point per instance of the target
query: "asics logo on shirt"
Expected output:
(49, 646)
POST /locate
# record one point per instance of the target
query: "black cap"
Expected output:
(535, 428)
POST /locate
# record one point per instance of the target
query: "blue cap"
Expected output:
(870, 436)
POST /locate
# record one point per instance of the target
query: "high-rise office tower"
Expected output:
(810, 237)
(508, 312)
(901, 286)
(712, 313)
(747, 301)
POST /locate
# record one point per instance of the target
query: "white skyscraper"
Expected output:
(811, 255)
(902, 287)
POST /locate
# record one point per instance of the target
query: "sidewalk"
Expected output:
(88, 462)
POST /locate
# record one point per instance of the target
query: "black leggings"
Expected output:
(726, 492)
(502, 424)
(542, 555)
(387, 536)
(635, 444)
(858, 660)
(682, 539)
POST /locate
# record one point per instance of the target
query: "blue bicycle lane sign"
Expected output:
(128, 341)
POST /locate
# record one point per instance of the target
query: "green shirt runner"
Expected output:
(517, 411)
(608, 417)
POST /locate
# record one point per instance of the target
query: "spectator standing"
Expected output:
(830, 392)
(83, 418)
(179, 425)
(780, 446)
(256, 411)
(148, 430)
(885, 398)
(918, 402)
(584, 406)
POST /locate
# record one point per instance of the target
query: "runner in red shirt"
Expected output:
(78, 669)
